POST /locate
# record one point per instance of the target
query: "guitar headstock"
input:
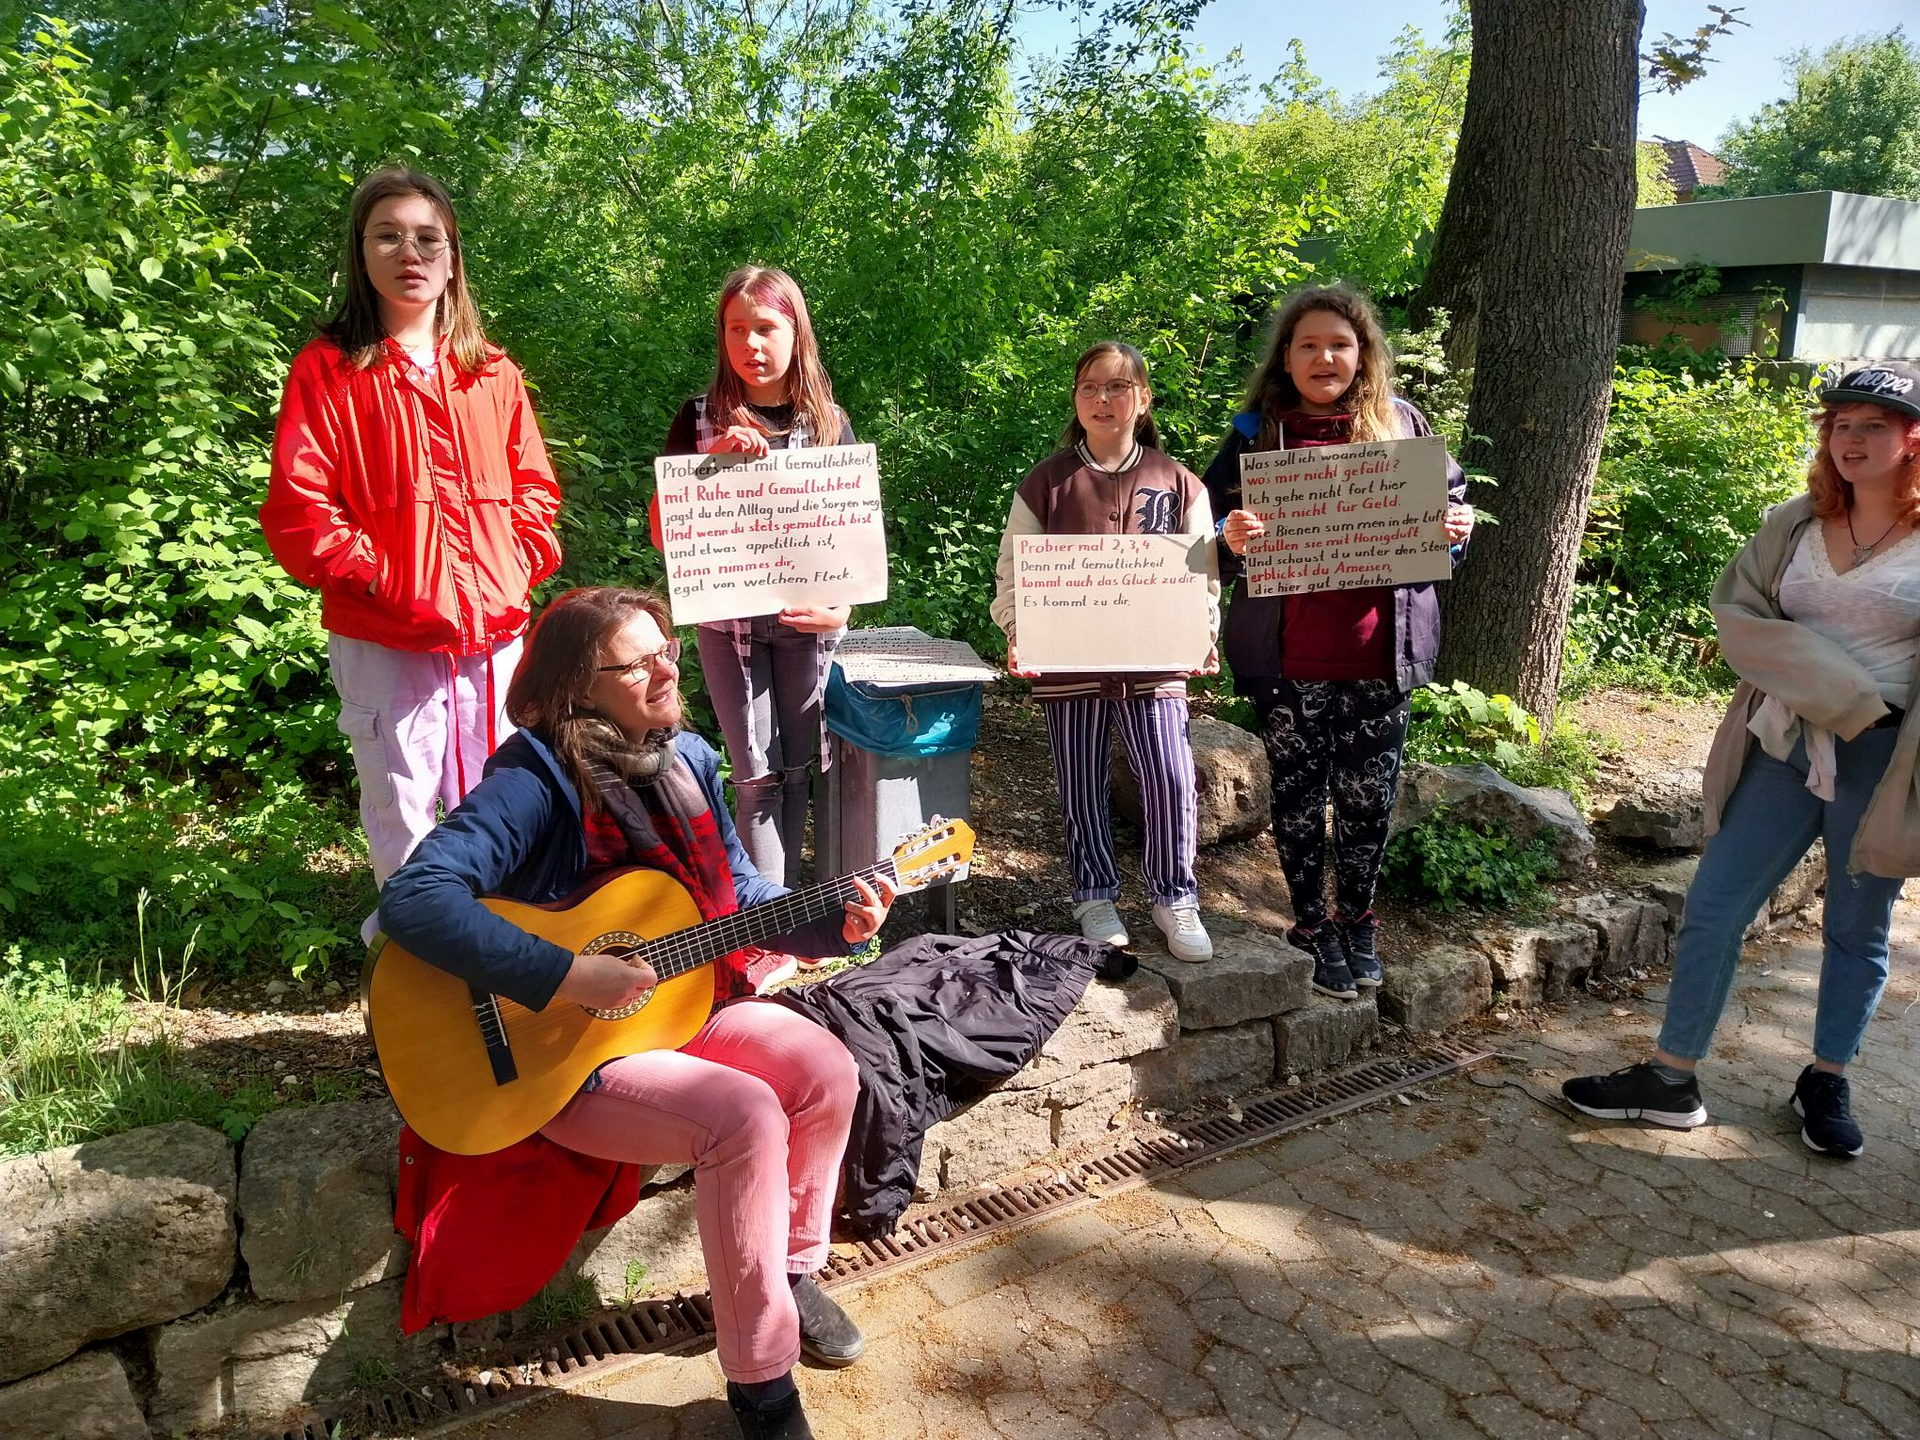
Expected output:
(937, 851)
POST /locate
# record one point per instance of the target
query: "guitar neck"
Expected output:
(687, 949)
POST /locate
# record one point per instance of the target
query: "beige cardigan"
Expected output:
(1815, 679)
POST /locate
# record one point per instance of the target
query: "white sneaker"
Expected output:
(1100, 921)
(1186, 937)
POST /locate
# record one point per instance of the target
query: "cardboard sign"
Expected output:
(749, 537)
(896, 656)
(1111, 602)
(1342, 517)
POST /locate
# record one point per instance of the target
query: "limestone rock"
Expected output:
(1481, 793)
(1003, 1132)
(661, 1232)
(88, 1398)
(1254, 974)
(316, 1200)
(1083, 1106)
(1438, 989)
(1538, 964)
(1235, 1060)
(1324, 1033)
(1230, 777)
(1633, 934)
(1111, 1022)
(105, 1237)
(253, 1360)
(1665, 810)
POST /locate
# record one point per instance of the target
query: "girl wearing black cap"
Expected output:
(1820, 618)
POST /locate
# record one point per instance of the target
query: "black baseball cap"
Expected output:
(1891, 383)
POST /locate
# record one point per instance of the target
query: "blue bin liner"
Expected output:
(934, 720)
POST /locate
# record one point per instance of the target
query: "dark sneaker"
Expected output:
(1331, 974)
(828, 1335)
(1821, 1101)
(781, 1419)
(1362, 958)
(1638, 1093)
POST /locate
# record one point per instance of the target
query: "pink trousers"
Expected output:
(758, 1103)
(420, 726)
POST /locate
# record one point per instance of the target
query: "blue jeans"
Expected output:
(1770, 822)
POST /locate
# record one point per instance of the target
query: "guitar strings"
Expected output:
(685, 950)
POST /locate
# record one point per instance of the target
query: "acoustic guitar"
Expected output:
(473, 1072)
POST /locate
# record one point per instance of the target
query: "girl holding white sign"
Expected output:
(766, 675)
(1111, 478)
(1329, 673)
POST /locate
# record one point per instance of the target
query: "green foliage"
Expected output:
(634, 1284)
(1448, 863)
(563, 1302)
(1459, 725)
(1852, 122)
(1650, 183)
(1692, 460)
(74, 1067)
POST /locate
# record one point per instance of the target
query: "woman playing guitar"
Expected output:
(758, 1102)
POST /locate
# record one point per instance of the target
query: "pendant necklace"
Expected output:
(1864, 553)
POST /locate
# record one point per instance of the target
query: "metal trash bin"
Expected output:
(903, 713)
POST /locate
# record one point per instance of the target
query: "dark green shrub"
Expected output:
(1449, 863)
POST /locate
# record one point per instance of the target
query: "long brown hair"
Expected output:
(1833, 494)
(357, 327)
(1144, 430)
(1369, 399)
(808, 389)
(564, 652)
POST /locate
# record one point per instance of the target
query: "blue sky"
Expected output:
(1345, 40)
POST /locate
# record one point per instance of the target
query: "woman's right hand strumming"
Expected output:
(606, 981)
(1240, 527)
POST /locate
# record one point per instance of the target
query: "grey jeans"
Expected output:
(766, 680)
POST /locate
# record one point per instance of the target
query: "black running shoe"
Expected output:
(1331, 974)
(1820, 1099)
(828, 1335)
(1362, 958)
(1638, 1093)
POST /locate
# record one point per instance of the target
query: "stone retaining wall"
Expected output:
(166, 1280)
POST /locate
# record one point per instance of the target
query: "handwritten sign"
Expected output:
(1341, 517)
(901, 655)
(748, 537)
(1111, 602)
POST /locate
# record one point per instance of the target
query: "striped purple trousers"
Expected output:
(1154, 729)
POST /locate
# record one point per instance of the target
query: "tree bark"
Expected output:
(1546, 192)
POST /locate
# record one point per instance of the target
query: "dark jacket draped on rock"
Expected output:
(936, 1023)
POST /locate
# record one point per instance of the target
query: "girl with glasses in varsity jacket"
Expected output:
(1329, 673)
(1111, 478)
(766, 675)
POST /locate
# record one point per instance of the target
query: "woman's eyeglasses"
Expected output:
(387, 243)
(1111, 390)
(668, 654)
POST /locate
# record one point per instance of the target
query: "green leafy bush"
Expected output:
(1459, 725)
(1450, 863)
(1692, 460)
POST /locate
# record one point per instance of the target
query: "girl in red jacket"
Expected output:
(410, 485)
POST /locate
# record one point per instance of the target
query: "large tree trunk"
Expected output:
(1547, 187)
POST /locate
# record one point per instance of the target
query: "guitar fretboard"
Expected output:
(688, 949)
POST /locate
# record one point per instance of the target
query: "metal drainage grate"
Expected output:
(1142, 1160)
(661, 1326)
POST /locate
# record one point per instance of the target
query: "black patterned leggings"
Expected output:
(1346, 735)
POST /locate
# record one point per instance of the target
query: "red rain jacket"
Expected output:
(421, 506)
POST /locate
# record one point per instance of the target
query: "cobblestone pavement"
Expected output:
(1475, 1263)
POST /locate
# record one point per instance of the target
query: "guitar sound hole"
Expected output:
(617, 940)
